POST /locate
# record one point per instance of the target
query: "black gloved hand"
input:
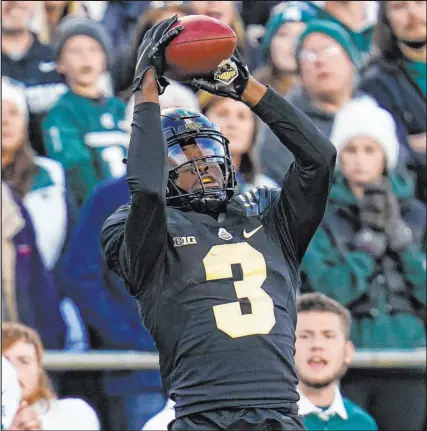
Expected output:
(151, 52)
(381, 220)
(373, 219)
(373, 206)
(228, 80)
(398, 232)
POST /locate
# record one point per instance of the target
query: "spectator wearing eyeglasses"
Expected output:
(327, 61)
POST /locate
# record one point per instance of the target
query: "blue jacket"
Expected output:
(38, 298)
(108, 311)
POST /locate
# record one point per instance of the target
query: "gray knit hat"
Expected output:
(74, 26)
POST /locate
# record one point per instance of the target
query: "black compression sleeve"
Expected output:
(307, 183)
(147, 174)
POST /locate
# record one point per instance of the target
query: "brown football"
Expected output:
(203, 44)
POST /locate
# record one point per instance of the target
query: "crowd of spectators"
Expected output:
(357, 69)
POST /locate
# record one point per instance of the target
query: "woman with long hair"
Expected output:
(40, 408)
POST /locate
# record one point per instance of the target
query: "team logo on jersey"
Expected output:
(180, 241)
(226, 73)
(224, 234)
(107, 121)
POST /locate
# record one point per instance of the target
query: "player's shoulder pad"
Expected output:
(256, 201)
(118, 217)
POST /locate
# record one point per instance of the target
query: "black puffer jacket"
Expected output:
(393, 89)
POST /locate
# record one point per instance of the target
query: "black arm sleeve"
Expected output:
(134, 238)
(301, 206)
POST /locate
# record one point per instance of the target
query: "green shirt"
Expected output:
(342, 414)
(88, 138)
(417, 71)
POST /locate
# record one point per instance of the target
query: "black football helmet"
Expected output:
(182, 127)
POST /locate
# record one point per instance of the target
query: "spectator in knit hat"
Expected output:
(25, 59)
(85, 130)
(282, 32)
(368, 255)
(327, 61)
(396, 78)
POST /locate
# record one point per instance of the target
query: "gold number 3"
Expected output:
(229, 317)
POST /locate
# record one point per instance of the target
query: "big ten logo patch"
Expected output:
(180, 241)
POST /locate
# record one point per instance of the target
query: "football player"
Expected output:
(215, 275)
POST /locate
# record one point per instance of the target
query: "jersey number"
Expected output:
(229, 317)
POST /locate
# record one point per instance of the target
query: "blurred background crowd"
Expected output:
(357, 69)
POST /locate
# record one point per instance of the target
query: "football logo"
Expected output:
(224, 234)
(226, 73)
(191, 125)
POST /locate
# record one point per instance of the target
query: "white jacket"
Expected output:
(10, 393)
(48, 211)
(67, 414)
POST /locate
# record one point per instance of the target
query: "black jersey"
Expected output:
(218, 296)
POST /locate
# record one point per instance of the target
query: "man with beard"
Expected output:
(323, 353)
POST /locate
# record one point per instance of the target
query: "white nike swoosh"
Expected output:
(252, 232)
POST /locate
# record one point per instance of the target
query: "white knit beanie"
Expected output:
(363, 117)
(15, 94)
